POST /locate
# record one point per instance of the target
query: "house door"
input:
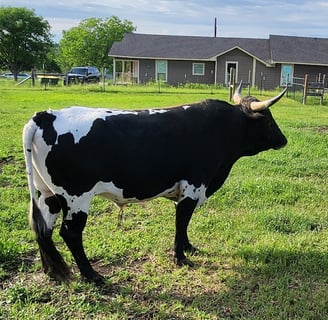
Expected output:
(287, 74)
(231, 66)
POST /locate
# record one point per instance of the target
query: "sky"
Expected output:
(235, 18)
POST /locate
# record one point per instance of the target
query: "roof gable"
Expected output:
(246, 52)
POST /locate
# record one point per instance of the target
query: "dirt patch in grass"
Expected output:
(319, 129)
(322, 129)
(6, 160)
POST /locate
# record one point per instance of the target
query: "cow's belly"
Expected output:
(179, 191)
(115, 194)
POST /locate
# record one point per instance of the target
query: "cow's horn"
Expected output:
(237, 95)
(261, 105)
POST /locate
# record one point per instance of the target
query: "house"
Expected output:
(266, 63)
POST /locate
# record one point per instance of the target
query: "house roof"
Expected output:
(299, 50)
(276, 49)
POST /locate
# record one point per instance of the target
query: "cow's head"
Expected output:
(262, 132)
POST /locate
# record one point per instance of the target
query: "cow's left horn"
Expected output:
(261, 105)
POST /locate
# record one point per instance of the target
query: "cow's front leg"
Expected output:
(71, 232)
(184, 211)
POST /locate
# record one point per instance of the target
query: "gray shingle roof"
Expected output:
(299, 50)
(273, 50)
(184, 47)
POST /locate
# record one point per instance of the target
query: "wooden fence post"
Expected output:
(232, 81)
(306, 84)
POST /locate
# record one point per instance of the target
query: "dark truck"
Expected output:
(82, 75)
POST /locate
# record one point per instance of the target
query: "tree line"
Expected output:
(26, 42)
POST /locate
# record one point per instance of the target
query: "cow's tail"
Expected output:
(52, 262)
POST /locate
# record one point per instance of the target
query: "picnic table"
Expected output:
(48, 79)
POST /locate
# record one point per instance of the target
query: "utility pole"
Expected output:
(215, 27)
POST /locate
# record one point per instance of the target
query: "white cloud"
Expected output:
(60, 24)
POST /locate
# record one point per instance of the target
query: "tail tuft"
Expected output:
(52, 261)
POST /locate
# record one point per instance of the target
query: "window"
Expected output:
(287, 74)
(198, 69)
(161, 70)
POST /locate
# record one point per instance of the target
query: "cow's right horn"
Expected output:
(261, 105)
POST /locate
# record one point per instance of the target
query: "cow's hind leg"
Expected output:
(184, 211)
(43, 216)
(71, 232)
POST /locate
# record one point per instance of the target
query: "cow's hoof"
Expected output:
(183, 262)
(96, 278)
(59, 277)
(191, 249)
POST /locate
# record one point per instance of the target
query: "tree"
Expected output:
(25, 39)
(51, 64)
(90, 41)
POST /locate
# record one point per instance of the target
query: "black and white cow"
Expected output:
(181, 153)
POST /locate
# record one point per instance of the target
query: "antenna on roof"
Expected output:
(215, 27)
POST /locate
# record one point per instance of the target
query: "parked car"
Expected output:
(82, 75)
(9, 75)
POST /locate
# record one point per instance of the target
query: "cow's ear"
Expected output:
(250, 113)
(257, 115)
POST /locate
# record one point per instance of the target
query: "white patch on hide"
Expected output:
(190, 191)
(156, 111)
(78, 120)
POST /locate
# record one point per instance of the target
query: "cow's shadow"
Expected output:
(286, 281)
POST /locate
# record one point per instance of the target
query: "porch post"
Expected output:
(253, 73)
(215, 71)
(123, 71)
(114, 70)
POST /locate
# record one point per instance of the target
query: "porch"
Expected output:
(125, 71)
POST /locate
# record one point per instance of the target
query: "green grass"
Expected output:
(263, 237)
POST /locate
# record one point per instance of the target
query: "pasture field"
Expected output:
(263, 237)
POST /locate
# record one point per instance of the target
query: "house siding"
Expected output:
(271, 75)
(267, 78)
(180, 72)
(146, 71)
(313, 71)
